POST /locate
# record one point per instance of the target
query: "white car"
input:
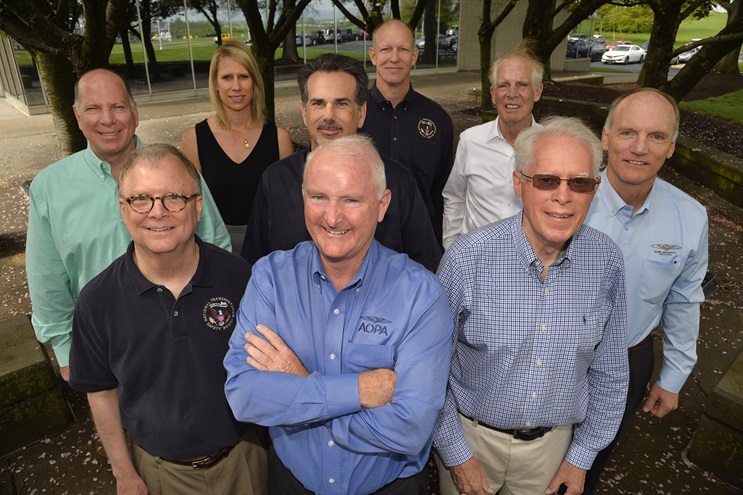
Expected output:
(686, 56)
(624, 54)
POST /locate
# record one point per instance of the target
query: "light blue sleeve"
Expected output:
(681, 311)
(449, 438)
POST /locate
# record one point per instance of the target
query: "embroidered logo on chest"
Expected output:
(665, 249)
(427, 128)
(376, 324)
(219, 313)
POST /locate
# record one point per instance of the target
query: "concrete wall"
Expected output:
(506, 36)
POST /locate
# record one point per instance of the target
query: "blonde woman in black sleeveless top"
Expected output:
(233, 147)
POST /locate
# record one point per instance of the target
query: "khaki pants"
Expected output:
(243, 472)
(515, 467)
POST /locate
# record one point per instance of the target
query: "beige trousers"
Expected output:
(243, 472)
(515, 467)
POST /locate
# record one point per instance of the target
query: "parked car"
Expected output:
(345, 35)
(449, 42)
(686, 56)
(360, 34)
(453, 31)
(597, 51)
(306, 41)
(578, 48)
(624, 54)
(610, 45)
(331, 35)
(421, 43)
(317, 38)
(599, 39)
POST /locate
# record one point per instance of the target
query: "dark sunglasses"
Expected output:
(551, 182)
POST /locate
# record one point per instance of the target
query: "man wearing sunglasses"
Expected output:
(539, 368)
(663, 234)
(151, 363)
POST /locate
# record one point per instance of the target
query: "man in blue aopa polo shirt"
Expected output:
(348, 342)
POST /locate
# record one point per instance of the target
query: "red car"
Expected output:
(613, 44)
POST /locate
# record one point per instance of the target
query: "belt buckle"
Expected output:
(529, 435)
(210, 460)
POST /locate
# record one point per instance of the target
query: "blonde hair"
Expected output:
(243, 56)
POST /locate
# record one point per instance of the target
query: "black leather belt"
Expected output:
(642, 344)
(204, 462)
(526, 435)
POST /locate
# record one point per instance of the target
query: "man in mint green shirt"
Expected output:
(75, 229)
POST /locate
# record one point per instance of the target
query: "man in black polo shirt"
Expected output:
(149, 336)
(333, 92)
(404, 124)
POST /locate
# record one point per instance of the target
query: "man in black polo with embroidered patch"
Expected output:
(404, 124)
(333, 89)
(149, 335)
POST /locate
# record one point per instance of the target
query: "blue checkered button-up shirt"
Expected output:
(531, 352)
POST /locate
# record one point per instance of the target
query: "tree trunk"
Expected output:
(485, 37)
(537, 25)
(654, 72)
(266, 63)
(127, 47)
(151, 57)
(59, 83)
(729, 63)
(290, 54)
(430, 34)
(699, 66)
(485, 58)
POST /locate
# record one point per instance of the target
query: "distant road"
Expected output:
(634, 68)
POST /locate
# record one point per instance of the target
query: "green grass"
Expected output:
(689, 29)
(703, 28)
(177, 51)
(726, 106)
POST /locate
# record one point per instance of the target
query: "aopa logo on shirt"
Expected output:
(665, 249)
(376, 325)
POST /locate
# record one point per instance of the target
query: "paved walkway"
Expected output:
(650, 459)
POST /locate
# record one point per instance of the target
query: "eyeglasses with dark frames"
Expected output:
(546, 182)
(143, 203)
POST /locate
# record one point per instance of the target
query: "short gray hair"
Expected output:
(356, 145)
(528, 140)
(153, 154)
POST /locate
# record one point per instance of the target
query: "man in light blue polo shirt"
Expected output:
(662, 233)
(75, 228)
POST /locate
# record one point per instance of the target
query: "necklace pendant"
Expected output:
(247, 145)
